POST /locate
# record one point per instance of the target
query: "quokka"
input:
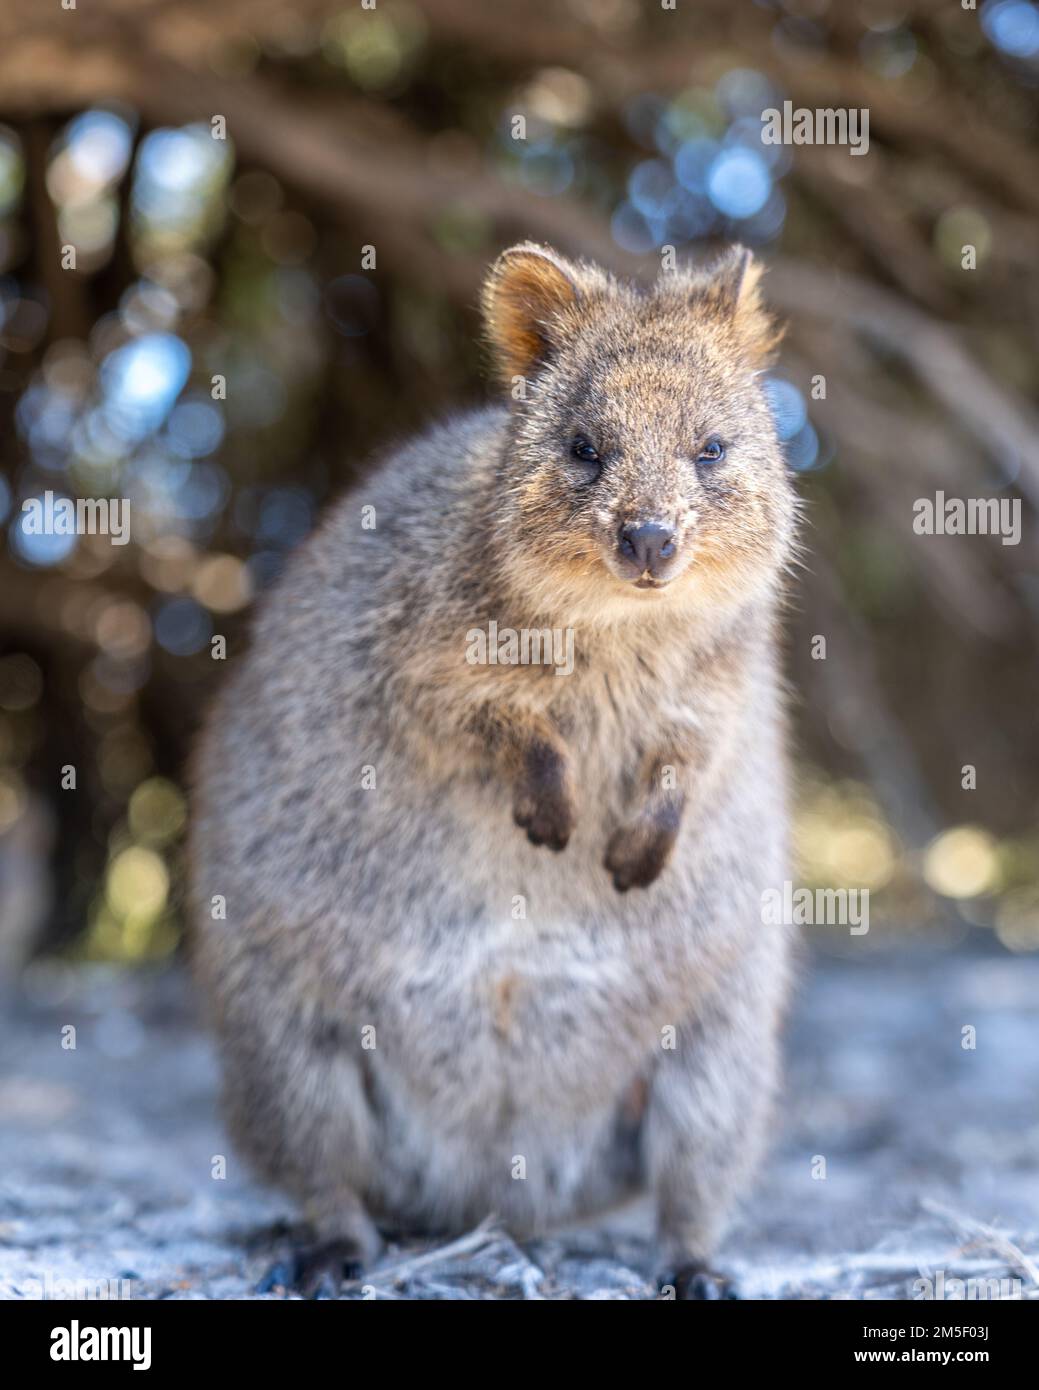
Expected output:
(493, 938)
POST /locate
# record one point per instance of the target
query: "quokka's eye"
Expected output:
(583, 451)
(712, 452)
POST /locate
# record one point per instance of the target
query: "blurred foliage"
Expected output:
(261, 299)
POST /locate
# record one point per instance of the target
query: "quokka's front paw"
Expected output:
(548, 818)
(638, 851)
(544, 804)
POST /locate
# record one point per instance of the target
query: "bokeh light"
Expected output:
(1013, 26)
(711, 174)
(962, 863)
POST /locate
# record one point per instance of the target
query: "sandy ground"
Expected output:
(931, 1153)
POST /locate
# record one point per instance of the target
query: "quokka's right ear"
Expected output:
(529, 300)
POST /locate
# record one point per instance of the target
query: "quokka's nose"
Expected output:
(648, 546)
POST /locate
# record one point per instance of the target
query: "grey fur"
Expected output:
(521, 1064)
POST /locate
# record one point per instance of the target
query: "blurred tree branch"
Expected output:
(396, 186)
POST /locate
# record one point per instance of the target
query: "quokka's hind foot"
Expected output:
(338, 1246)
(699, 1282)
(318, 1270)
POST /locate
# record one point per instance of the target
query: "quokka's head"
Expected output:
(641, 465)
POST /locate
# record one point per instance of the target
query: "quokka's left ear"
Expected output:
(733, 278)
(730, 290)
(735, 286)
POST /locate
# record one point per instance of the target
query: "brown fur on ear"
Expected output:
(731, 290)
(526, 291)
(735, 286)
